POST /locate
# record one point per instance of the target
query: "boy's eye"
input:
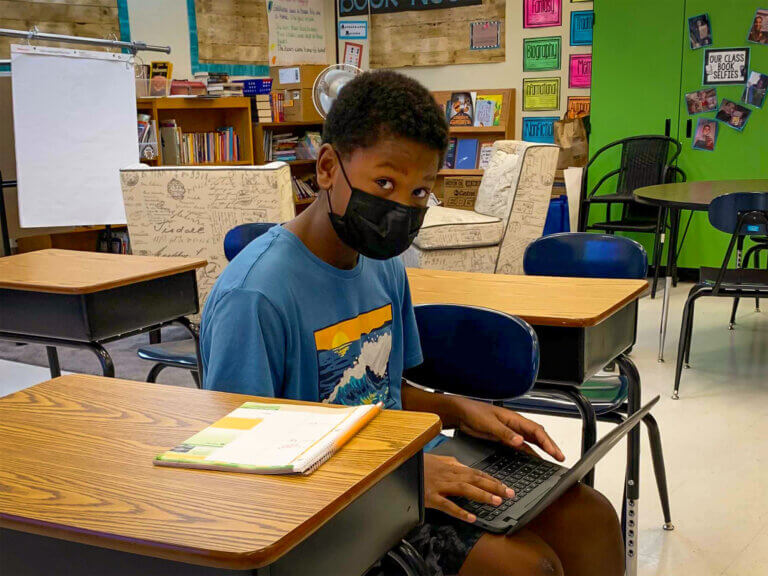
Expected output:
(421, 193)
(385, 184)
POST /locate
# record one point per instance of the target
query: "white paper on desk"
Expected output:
(75, 127)
(572, 178)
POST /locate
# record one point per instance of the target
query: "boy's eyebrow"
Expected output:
(388, 164)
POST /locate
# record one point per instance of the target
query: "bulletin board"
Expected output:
(96, 18)
(434, 37)
(232, 32)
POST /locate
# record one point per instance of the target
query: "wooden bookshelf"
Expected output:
(298, 167)
(196, 114)
(504, 131)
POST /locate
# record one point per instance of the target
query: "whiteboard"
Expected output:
(75, 126)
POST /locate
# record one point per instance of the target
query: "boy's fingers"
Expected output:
(452, 509)
(472, 492)
(534, 433)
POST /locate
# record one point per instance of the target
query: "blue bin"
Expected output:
(558, 217)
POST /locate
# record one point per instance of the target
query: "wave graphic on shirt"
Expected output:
(353, 359)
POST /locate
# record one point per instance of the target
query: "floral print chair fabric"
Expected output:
(187, 211)
(509, 213)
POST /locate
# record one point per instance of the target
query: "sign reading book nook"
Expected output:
(361, 7)
(541, 94)
(541, 53)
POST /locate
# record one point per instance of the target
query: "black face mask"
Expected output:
(374, 226)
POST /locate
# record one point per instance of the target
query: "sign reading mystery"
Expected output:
(360, 7)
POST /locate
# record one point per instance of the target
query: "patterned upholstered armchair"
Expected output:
(509, 213)
(187, 210)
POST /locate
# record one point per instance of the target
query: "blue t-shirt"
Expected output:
(282, 322)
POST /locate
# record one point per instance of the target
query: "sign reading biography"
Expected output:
(360, 7)
(542, 13)
(725, 66)
(541, 54)
(580, 71)
(539, 129)
(581, 27)
(541, 94)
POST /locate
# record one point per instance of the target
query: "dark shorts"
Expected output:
(444, 542)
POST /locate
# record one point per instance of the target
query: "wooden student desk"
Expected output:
(81, 495)
(85, 299)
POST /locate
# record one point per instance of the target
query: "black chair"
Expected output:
(759, 245)
(182, 353)
(741, 214)
(645, 161)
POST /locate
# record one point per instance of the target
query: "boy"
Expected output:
(319, 309)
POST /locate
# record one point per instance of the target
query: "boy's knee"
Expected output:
(592, 508)
(523, 554)
(539, 561)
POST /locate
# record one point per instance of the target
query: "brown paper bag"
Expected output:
(571, 136)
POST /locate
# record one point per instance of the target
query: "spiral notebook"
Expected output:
(266, 438)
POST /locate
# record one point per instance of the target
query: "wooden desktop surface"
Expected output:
(77, 456)
(539, 300)
(74, 272)
(697, 194)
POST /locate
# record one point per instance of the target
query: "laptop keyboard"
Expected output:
(515, 469)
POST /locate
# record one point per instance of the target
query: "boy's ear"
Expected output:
(327, 165)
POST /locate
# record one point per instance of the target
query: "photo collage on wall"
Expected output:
(556, 58)
(729, 66)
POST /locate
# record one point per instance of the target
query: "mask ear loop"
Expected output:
(344, 173)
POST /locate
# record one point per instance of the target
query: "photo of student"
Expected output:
(732, 114)
(699, 31)
(706, 134)
(701, 101)
(759, 30)
(755, 89)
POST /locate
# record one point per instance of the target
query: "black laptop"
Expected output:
(537, 483)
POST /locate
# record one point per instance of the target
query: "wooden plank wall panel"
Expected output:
(433, 37)
(97, 18)
(232, 31)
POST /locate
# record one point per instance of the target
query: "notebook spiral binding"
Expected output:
(328, 450)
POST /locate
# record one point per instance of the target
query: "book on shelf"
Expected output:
(244, 439)
(484, 157)
(488, 109)
(261, 108)
(180, 148)
(147, 137)
(288, 146)
(466, 154)
(187, 88)
(114, 242)
(450, 154)
(305, 188)
(459, 109)
(160, 74)
(225, 89)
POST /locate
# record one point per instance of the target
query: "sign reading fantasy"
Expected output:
(360, 7)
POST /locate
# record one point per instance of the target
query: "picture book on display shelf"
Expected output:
(466, 154)
(271, 438)
(459, 109)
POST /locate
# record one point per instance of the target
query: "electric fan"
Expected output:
(329, 83)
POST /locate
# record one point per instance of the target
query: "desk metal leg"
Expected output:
(674, 231)
(664, 316)
(53, 361)
(195, 333)
(107, 366)
(630, 509)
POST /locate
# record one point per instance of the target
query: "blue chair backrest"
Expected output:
(475, 352)
(240, 236)
(724, 212)
(585, 255)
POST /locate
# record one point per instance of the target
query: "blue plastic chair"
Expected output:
(742, 215)
(183, 353)
(586, 255)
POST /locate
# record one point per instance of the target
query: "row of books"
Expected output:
(306, 188)
(467, 154)
(287, 146)
(181, 148)
(473, 109)
(156, 79)
(268, 107)
(147, 137)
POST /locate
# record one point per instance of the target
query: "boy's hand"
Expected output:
(491, 422)
(445, 476)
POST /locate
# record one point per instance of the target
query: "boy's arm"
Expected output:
(419, 400)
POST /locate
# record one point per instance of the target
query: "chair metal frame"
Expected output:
(669, 174)
(720, 288)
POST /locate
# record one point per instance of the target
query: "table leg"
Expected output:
(630, 508)
(195, 333)
(664, 316)
(107, 366)
(53, 361)
(674, 231)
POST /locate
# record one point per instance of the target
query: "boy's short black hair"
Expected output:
(383, 103)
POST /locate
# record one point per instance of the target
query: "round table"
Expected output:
(686, 196)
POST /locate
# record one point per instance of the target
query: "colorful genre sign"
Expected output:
(360, 7)
(725, 66)
(580, 71)
(541, 94)
(581, 27)
(541, 54)
(578, 106)
(539, 129)
(542, 13)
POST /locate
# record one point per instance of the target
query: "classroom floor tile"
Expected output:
(714, 440)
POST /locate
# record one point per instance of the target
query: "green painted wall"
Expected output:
(643, 65)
